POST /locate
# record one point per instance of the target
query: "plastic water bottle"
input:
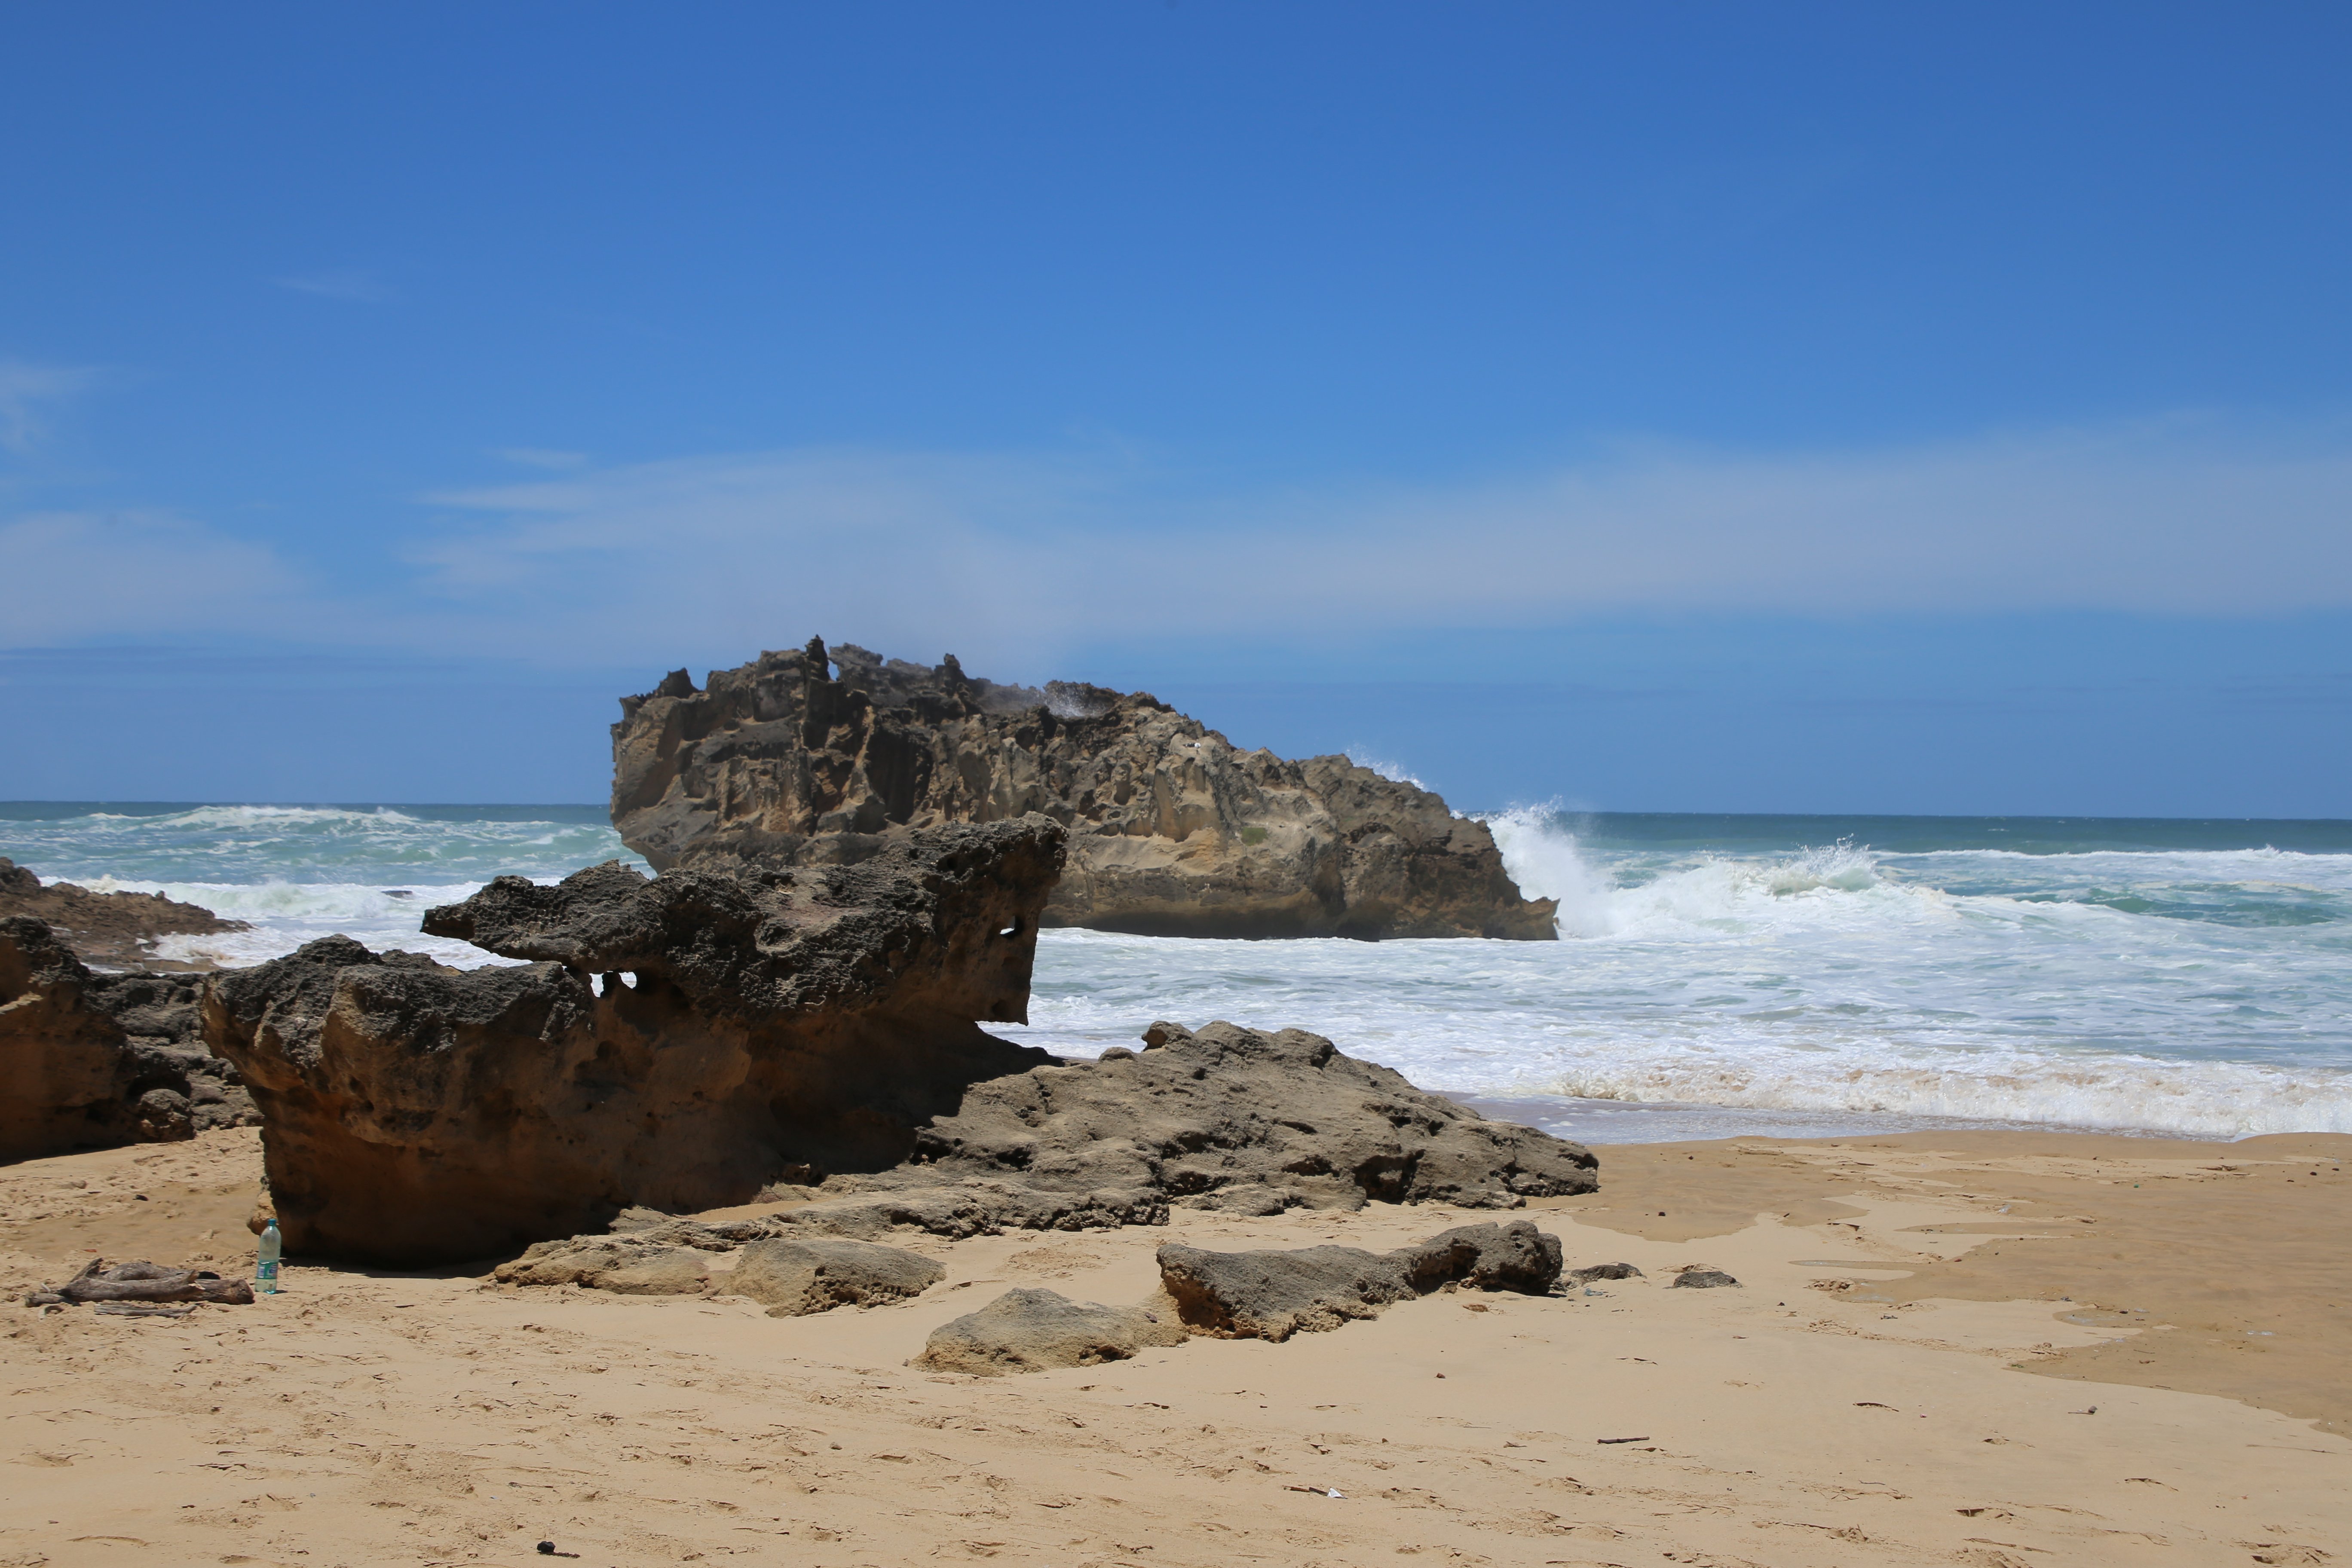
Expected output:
(273, 1246)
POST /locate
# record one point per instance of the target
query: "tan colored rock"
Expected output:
(1037, 1330)
(796, 1278)
(1174, 831)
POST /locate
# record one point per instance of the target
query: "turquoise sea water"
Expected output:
(1716, 975)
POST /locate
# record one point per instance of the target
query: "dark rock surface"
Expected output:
(1271, 1294)
(1036, 1330)
(1604, 1271)
(1701, 1279)
(815, 756)
(796, 1278)
(1238, 1118)
(91, 1061)
(680, 1042)
(113, 931)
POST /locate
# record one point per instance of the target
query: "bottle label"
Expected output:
(268, 1275)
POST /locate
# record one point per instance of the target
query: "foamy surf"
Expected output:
(1715, 975)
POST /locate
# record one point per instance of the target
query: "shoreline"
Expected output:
(1944, 1393)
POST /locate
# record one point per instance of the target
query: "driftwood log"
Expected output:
(144, 1281)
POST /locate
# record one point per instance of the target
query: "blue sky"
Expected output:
(1712, 407)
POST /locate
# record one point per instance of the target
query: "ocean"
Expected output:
(1717, 975)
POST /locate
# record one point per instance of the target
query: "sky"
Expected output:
(1717, 407)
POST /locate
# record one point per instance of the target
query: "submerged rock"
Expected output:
(1037, 1330)
(117, 930)
(812, 755)
(91, 1061)
(679, 1043)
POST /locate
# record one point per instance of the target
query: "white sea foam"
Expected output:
(2194, 991)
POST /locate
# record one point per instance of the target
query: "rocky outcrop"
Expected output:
(114, 931)
(1243, 1120)
(1037, 1331)
(811, 756)
(91, 1061)
(679, 1043)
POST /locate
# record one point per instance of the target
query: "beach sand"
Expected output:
(1899, 1379)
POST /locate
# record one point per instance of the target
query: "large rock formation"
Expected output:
(92, 1060)
(1240, 1119)
(678, 1043)
(116, 930)
(806, 756)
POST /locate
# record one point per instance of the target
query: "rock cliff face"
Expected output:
(94, 1060)
(115, 930)
(678, 1043)
(809, 757)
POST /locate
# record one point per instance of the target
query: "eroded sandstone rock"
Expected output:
(91, 1061)
(116, 930)
(812, 755)
(1232, 1117)
(1037, 1330)
(796, 1278)
(679, 1042)
(1271, 1294)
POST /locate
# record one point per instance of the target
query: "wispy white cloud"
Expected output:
(77, 575)
(353, 283)
(25, 391)
(909, 551)
(1010, 559)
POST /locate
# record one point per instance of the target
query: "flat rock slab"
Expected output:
(1037, 1330)
(1273, 1294)
(796, 1278)
(1701, 1279)
(626, 1266)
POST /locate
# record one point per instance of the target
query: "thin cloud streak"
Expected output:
(25, 389)
(76, 575)
(2170, 517)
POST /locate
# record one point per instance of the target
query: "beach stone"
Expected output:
(1513, 1257)
(1273, 1294)
(1604, 1271)
(817, 756)
(1701, 1279)
(796, 1278)
(1037, 1330)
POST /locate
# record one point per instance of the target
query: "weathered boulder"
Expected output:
(1604, 1271)
(1273, 1293)
(1513, 1257)
(815, 756)
(93, 1060)
(1037, 1330)
(113, 930)
(796, 1278)
(1232, 1117)
(624, 1266)
(1701, 1279)
(679, 1042)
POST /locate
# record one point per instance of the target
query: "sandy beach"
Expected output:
(1902, 1377)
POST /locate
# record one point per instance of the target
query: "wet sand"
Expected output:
(1898, 1381)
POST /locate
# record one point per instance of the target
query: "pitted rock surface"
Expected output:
(817, 756)
(679, 1043)
(91, 1061)
(1037, 1330)
(796, 1278)
(113, 931)
(1235, 1118)
(1271, 1294)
